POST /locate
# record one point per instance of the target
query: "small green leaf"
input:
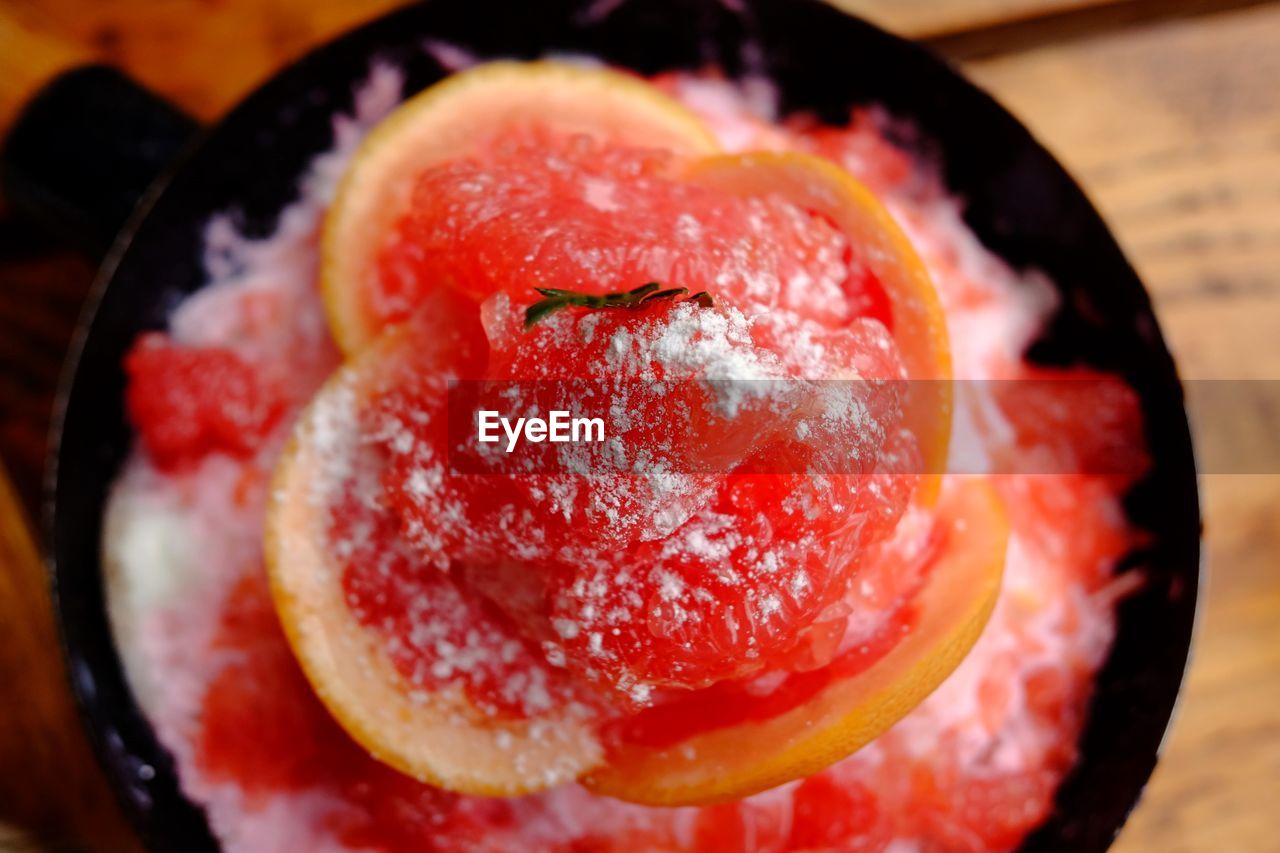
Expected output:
(557, 298)
(642, 290)
(669, 293)
(538, 310)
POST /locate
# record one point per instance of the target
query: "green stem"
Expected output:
(556, 299)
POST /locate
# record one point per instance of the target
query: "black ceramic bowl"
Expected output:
(1020, 203)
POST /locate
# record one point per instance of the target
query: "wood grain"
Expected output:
(42, 748)
(1174, 129)
(930, 19)
(1171, 122)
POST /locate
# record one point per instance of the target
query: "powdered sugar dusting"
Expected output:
(176, 543)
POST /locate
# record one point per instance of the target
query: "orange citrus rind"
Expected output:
(440, 737)
(446, 122)
(919, 325)
(736, 761)
(437, 737)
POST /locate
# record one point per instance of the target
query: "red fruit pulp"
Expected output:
(746, 562)
(829, 815)
(538, 210)
(188, 402)
(892, 790)
(262, 728)
(628, 564)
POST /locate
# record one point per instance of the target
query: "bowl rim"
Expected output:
(82, 682)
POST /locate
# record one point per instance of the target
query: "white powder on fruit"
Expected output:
(176, 543)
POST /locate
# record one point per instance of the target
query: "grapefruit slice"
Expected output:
(446, 122)
(918, 323)
(437, 735)
(947, 616)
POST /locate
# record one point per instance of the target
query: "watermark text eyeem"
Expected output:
(558, 428)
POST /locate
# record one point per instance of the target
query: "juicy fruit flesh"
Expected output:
(413, 667)
(879, 252)
(621, 600)
(445, 123)
(889, 791)
(813, 719)
(751, 583)
(753, 559)
(594, 587)
(261, 697)
(885, 276)
(443, 634)
(193, 401)
(532, 210)
(628, 573)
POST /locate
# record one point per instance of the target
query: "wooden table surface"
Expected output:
(1168, 111)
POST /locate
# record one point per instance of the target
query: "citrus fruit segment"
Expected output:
(918, 324)
(434, 732)
(945, 619)
(189, 402)
(446, 122)
(717, 567)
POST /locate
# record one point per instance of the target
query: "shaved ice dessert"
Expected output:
(761, 614)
